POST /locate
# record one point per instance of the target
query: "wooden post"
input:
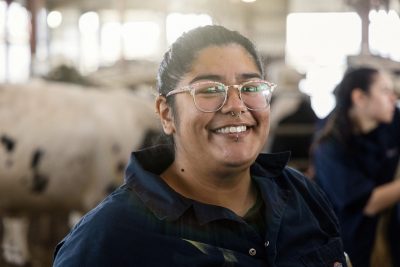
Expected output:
(32, 6)
(363, 7)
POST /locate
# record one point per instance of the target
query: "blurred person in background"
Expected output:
(356, 155)
(292, 119)
(209, 198)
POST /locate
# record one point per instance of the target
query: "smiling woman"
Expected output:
(210, 198)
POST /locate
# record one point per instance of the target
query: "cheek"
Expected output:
(263, 121)
(381, 109)
(264, 117)
(192, 123)
(384, 104)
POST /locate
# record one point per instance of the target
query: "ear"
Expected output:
(358, 97)
(164, 111)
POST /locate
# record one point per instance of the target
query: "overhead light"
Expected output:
(249, 1)
(54, 19)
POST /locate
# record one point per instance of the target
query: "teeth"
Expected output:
(232, 129)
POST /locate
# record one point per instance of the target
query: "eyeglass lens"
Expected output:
(211, 96)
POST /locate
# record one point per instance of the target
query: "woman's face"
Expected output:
(202, 138)
(381, 100)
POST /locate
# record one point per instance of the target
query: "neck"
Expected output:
(232, 190)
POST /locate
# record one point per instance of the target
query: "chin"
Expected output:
(239, 164)
(240, 160)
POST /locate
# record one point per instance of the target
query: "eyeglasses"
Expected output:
(211, 96)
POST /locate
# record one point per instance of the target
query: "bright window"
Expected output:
(89, 41)
(384, 34)
(178, 23)
(140, 39)
(110, 42)
(14, 43)
(318, 44)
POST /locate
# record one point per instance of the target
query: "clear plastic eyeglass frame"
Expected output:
(191, 89)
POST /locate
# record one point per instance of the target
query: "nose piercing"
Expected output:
(233, 114)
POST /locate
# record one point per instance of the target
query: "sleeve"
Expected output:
(83, 246)
(338, 175)
(116, 233)
(98, 239)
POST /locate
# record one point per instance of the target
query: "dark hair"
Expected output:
(179, 58)
(339, 124)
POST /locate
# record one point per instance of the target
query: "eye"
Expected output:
(209, 89)
(254, 87)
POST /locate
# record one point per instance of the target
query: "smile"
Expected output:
(232, 129)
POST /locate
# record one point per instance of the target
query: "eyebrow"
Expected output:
(213, 77)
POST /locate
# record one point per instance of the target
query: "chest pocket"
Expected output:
(329, 255)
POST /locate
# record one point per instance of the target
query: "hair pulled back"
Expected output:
(339, 124)
(179, 58)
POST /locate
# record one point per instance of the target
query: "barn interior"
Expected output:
(101, 51)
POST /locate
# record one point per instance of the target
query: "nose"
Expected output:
(233, 101)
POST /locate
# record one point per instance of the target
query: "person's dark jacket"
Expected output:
(147, 223)
(348, 173)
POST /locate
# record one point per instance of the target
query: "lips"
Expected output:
(232, 129)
